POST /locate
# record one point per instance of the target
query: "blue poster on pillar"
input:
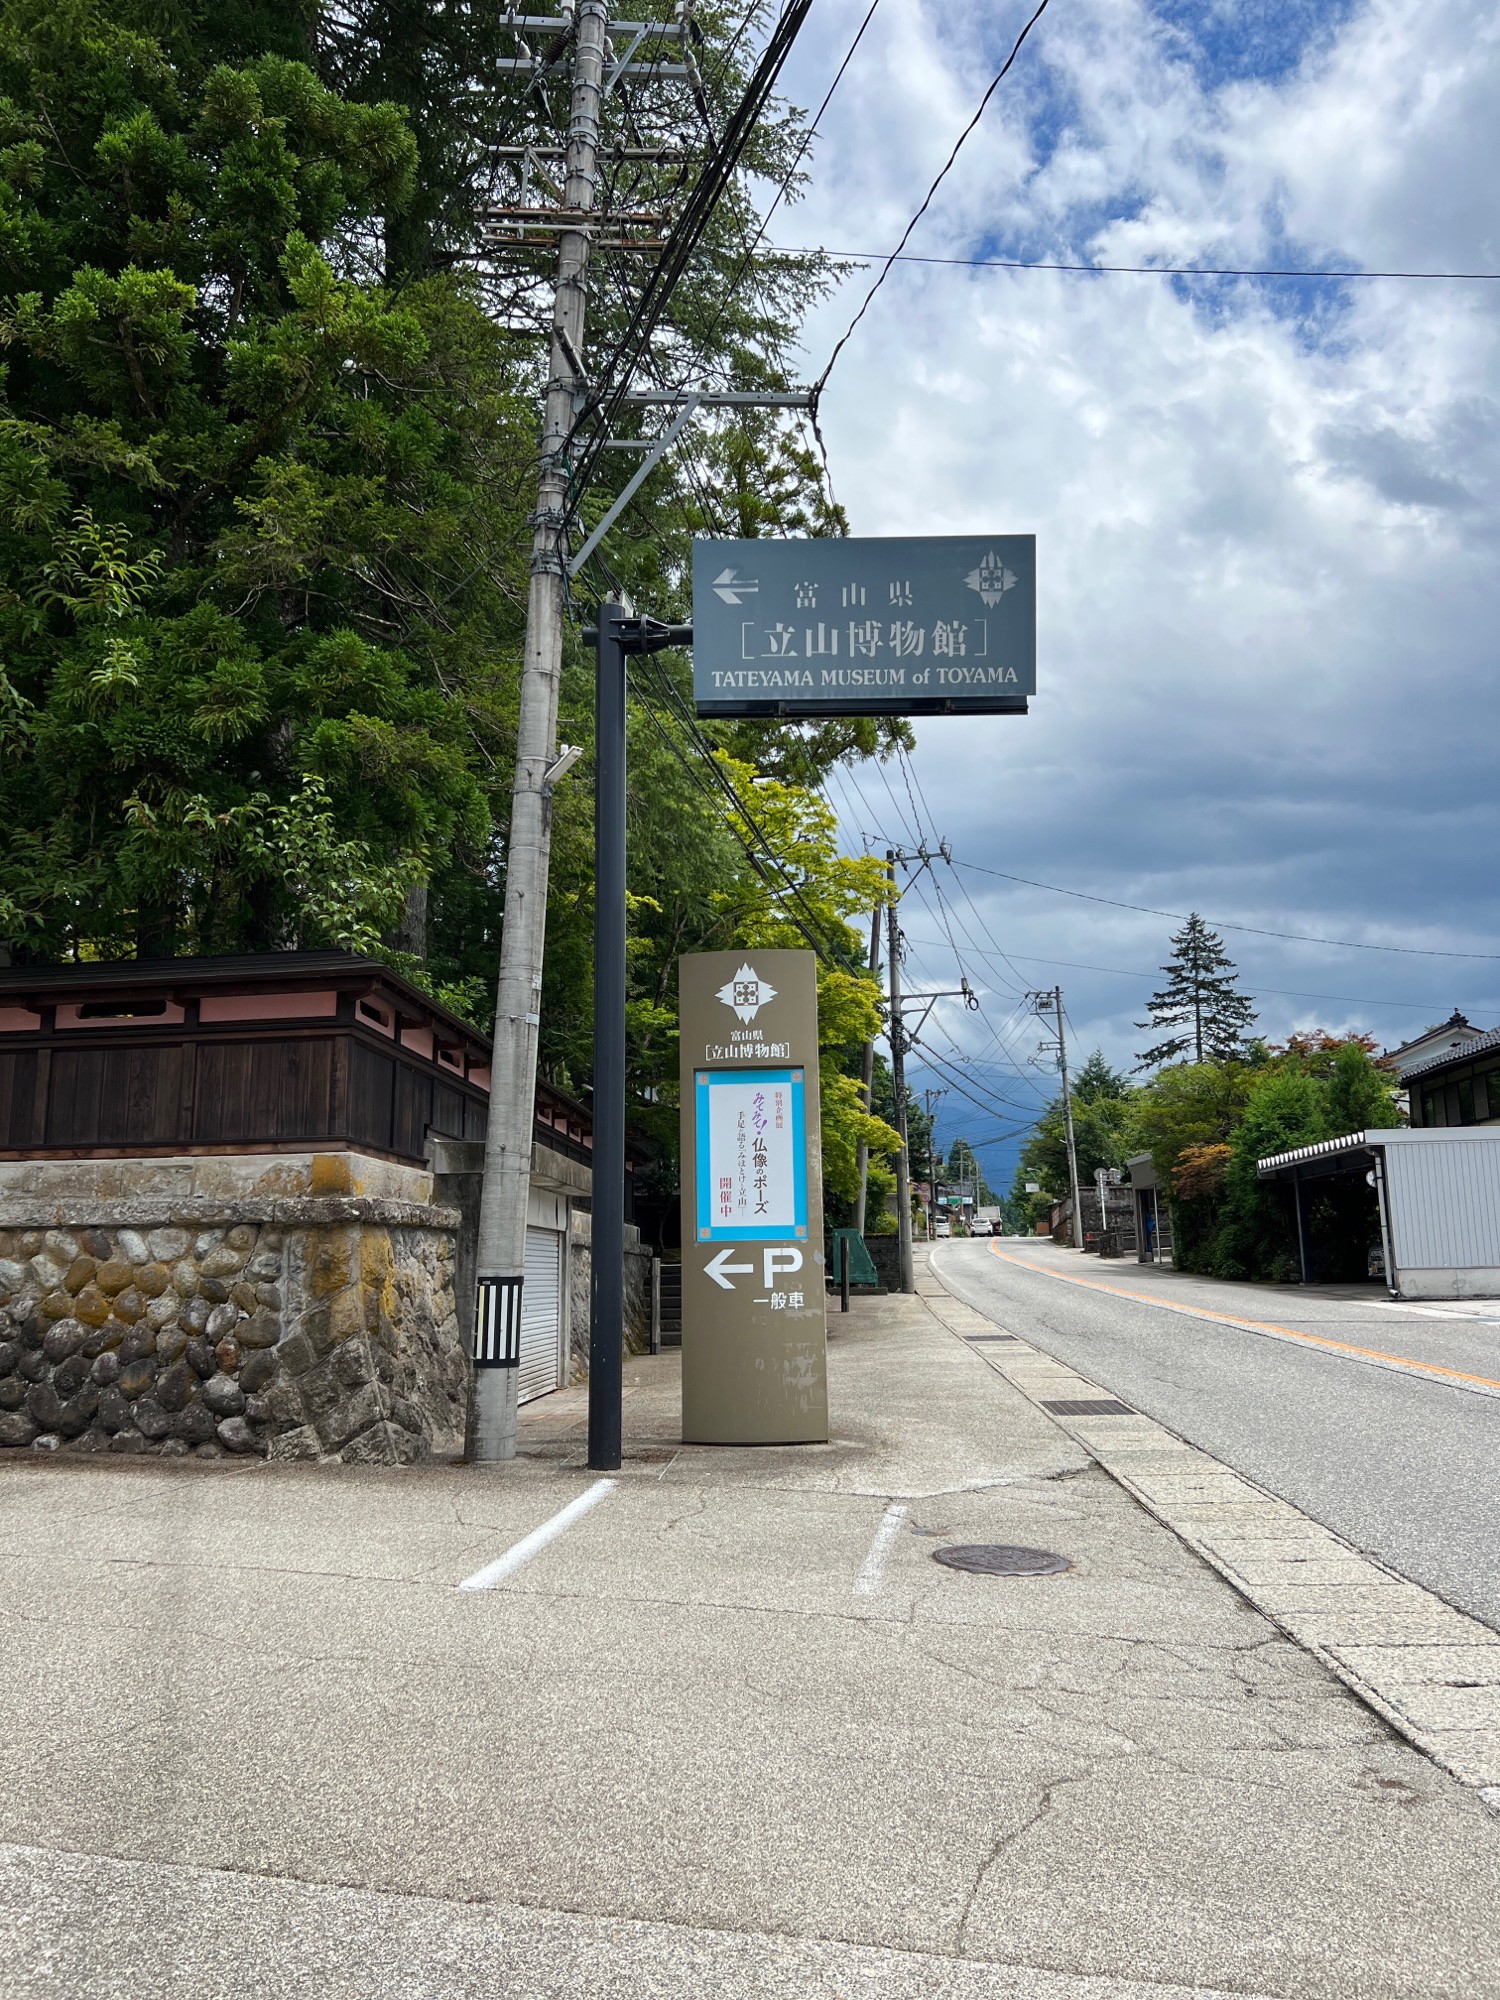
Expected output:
(752, 1155)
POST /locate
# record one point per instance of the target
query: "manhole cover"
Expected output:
(999, 1559)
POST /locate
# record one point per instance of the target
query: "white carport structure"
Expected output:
(1438, 1193)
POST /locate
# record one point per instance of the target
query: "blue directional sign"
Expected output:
(941, 625)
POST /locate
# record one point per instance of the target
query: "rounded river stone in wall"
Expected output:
(113, 1409)
(70, 1375)
(175, 1386)
(195, 1315)
(10, 1353)
(194, 1425)
(112, 1276)
(139, 1341)
(199, 1356)
(12, 1392)
(91, 1306)
(137, 1378)
(129, 1305)
(44, 1404)
(153, 1280)
(107, 1368)
(236, 1435)
(221, 1320)
(256, 1370)
(151, 1420)
(170, 1342)
(224, 1396)
(263, 1329)
(16, 1429)
(77, 1412)
(63, 1337)
(78, 1273)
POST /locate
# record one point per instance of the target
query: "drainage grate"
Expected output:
(1090, 1406)
(991, 1336)
(999, 1559)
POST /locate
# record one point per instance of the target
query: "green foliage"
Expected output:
(1359, 1097)
(1104, 1134)
(267, 457)
(258, 530)
(1207, 1124)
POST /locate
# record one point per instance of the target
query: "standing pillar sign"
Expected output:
(754, 1359)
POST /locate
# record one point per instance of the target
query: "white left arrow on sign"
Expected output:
(734, 588)
(719, 1268)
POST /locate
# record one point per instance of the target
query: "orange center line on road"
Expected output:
(1432, 1368)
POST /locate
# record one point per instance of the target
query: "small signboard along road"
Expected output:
(1340, 1422)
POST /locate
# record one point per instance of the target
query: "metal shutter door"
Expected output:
(541, 1301)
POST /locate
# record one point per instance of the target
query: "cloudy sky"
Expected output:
(1264, 509)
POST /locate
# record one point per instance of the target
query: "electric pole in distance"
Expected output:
(1052, 1003)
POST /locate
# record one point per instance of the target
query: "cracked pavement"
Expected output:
(260, 1744)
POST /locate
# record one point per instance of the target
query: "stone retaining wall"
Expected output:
(290, 1306)
(636, 1332)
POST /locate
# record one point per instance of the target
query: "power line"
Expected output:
(1281, 992)
(614, 376)
(943, 172)
(707, 773)
(1223, 923)
(807, 138)
(1142, 270)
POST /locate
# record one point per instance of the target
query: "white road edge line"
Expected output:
(532, 1544)
(867, 1583)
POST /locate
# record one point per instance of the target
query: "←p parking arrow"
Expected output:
(719, 1268)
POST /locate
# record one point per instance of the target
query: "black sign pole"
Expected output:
(607, 1274)
(616, 637)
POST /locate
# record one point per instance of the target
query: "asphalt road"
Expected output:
(1404, 1467)
(301, 1732)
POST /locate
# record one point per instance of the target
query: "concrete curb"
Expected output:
(1430, 1672)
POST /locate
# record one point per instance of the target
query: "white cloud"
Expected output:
(1265, 517)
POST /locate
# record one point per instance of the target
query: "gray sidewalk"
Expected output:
(732, 1733)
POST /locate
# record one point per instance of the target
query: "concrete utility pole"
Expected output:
(869, 1080)
(931, 1099)
(898, 1080)
(1052, 1003)
(507, 1153)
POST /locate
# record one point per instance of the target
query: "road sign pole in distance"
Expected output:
(932, 625)
(754, 1328)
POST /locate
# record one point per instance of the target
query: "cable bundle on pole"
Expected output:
(615, 375)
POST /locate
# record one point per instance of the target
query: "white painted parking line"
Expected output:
(532, 1544)
(867, 1583)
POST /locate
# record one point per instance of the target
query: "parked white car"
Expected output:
(942, 1225)
(981, 1226)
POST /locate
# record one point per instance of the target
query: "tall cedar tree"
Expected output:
(257, 520)
(1201, 995)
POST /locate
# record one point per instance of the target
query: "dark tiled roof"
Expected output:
(1478, 1046)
